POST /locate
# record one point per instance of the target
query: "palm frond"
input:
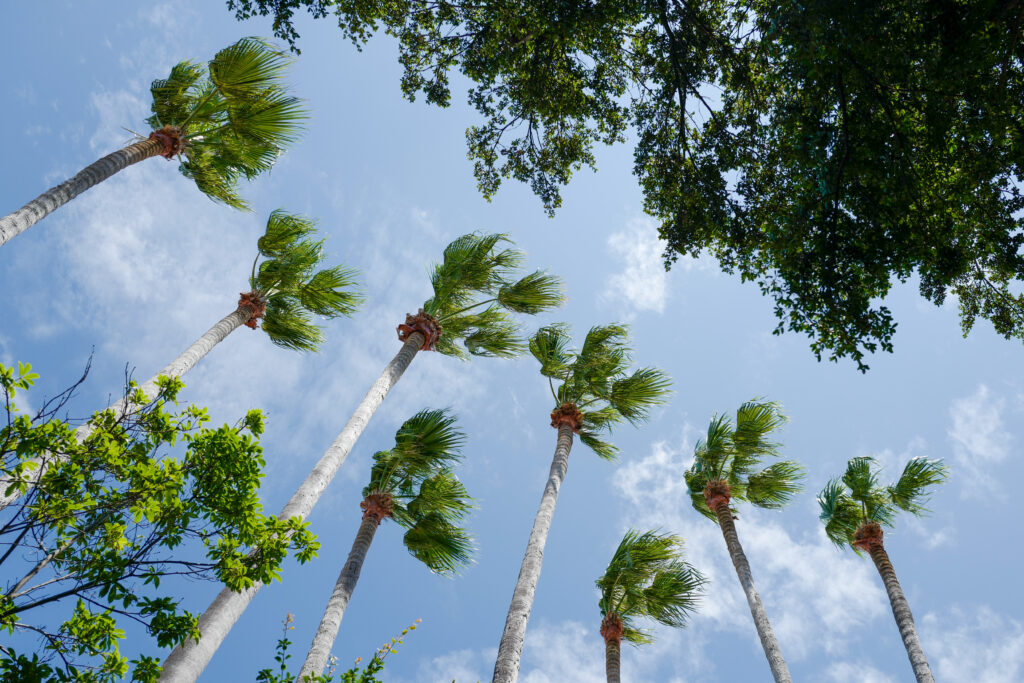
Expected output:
(840, 513)
(696, 478)
(774, 486)
(213, 179)
(270, 123)
(332, 292)
(441, 494)
(431, 435)
(247, 68)
(550, 346)
(909, 492)
(471, 265)
(634, 396)
(289, 326)
(443, 547)
(714, 450)
(534, 293)
(172, 99)
(592, 440)
(499, 340)
(283, 231)
(861, 478)
(755, 421)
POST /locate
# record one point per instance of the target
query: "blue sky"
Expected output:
(140, 266)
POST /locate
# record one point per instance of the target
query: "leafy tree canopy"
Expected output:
(113, 515)
(824, 150)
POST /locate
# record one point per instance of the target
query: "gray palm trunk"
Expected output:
(187, 661)
(612, 660)
(901, 611)
(323, 641)
(24, 218)
(178, 367)
(764, 628)
(506, 668)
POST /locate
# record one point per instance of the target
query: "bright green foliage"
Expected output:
(294, 290)
(475, 295)
(857, 498)
(733, 454)
(235, 116)
(595, 379)
(428, 500)
(148, 493)
(824, 149)
(354, 675)
(647, 579)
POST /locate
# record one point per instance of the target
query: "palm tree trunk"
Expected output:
(178, 367)
(611, 660)
(188, 660)
(764, 628)
(316, 659)
(901, 611)
(506, 668)
(24, 218)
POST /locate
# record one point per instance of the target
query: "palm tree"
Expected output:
(646, 578)
(468, 315)
(412, 484)
(286, 290)
(855, 507)
(594, 393)
(723, 471)
(227, 121)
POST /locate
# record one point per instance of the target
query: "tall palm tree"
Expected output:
(229, 120)
(646, 578)
(855, 507)
(468, 315)
(286, 289)
(594, 392)
(412, 484)
(723, 471)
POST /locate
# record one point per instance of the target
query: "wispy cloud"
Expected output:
(981, 646)
(979, 440)
(643, 282)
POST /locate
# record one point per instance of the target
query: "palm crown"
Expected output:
(475, 293)
(595, 380)
(857, 498)
(229, 120)
(731, 454)
(291, 287)
(423, 495)
(647, 579)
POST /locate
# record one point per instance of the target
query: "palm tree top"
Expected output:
(228, 120)
(476, 291)
(288, 287)
(726, 461)
(647, 578)
(858, 500)
(413, 484)
(596, 382)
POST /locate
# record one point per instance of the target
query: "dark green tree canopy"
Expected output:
(824, 150)
(150, 493)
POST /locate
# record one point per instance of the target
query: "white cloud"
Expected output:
(849, 672)
(461, 666)
(643, 282)
(982, 647)
(979, 441)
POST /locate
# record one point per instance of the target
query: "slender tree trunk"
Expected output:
(901, 611)
(611, 660)
(189, 659)
(316, 659)
(506, 668)
(764, 628)
(24, 218)
(178, 367)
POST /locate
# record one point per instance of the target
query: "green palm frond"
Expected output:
(755, 422)
(774, 486)
(499, 337)
(441, 494)
(713, 451)
(331, 292)
(591, 439)
(534, 293)
(647, 579)
(431, 435)
(860, 477)
(442, 546)
(696, 478)
(235, 116)
(284, 230)
(840, 513)
(289, 326)
(634, 396)
(472, 265)
(550, 346)
(909, 493)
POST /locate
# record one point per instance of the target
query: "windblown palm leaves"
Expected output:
(224, 122)
(731, 454)
(233, 118)
(413, 484)
(595, 380)
(475, 293)
(854, 509)
(646, 579)
(292, 289)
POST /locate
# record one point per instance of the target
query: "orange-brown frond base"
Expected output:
(611, 628)
(377, 505)
(868, 536)
(567, 414)
(256, 304)
(425, 324)
(717, 493)
(170, 136)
